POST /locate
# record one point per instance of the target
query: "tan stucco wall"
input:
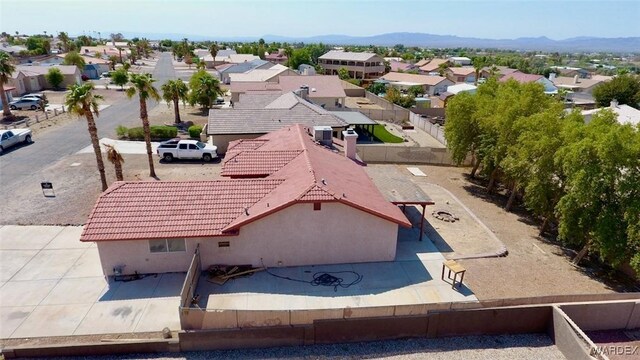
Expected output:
(297, 235)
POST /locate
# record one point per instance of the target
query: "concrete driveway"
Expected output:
(51, 284)
(123, 147)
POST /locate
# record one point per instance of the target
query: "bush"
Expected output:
(194, 131)
(122, 131)
(135, 134)
(84, 77)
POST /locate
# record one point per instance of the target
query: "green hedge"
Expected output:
(194, 131)
(157, 133)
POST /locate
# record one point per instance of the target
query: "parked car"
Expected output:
(9, 138)
(186, 149)
(25, 103)
(219, 101)
(36, 95)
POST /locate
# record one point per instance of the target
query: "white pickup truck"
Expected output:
(9, 138)
(186, 149)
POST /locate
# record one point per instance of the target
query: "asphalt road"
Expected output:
(17, 165)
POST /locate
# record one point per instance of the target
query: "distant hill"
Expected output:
(581, 44)
(629, 44)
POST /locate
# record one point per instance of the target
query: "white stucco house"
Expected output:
(286, 200)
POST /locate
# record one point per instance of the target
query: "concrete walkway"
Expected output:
(51, 284)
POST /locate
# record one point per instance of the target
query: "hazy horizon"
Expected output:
(506, 19)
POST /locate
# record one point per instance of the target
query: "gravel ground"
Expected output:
(507, 347)
(535, 266)
(77, 185)
(163, 115)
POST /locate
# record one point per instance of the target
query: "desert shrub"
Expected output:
(135, 133)
(121, 131)
(195, 130)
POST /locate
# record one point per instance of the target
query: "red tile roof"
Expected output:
(298, 170)
(316, 174)
(521, 77)
(163, 209)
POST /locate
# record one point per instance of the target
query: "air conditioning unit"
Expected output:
(323, 135)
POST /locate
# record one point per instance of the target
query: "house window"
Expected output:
(167, 245)
(317, 206)
(223, 244)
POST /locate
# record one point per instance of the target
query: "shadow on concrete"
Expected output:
(148, 286)
(416, 263)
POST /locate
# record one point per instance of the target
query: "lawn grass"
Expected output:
(383, 135)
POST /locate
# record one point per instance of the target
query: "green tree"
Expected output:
(64, 39)
(6, 69)
(625, 89)
(377, 88)
(343, 74)
(142, 84)
(393, 95)
(415, 90)
(54, 77)
(113, 60)
(599, 210)
(213, 50)
(174, 91)
(463, 130)
(82, 102)
(204, 89)
(479, 62)
(120, 77)
(299, 57)
(73, 58)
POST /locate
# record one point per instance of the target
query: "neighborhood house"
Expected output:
(289, 200)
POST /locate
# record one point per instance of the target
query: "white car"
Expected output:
(9, 138)
(25, 103)
(186, 149)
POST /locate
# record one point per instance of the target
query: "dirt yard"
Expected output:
(163, 114)
(534, 266)
(76, 183)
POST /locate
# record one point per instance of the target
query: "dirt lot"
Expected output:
(56, 98)
(535, 266)
(163, 114)
(76, 183)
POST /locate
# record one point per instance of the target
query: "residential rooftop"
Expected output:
(413, 78)
(348, 56)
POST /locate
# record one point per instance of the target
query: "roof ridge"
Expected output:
(305, 151)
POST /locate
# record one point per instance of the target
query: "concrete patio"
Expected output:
(413, 278)
(51, 284)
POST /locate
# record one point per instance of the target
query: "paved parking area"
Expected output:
(51, 284)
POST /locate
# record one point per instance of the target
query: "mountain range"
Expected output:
(577, 44)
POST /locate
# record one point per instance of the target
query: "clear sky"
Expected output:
(559, 19)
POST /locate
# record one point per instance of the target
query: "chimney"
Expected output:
(575, 79)
(350, 138)
(614, 103)
(552, 76)
(303, 92)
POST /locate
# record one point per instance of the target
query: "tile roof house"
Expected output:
(401, 66)
(575, 83)
(432, 66)
(431, 85)
(240, 68)
(262, 75)
(277, 57)
(31, 78)
(360, 65)
(289, 201)
(549, 87)
(625, 114)
(461, 74)
(324, 90)
(257, 114)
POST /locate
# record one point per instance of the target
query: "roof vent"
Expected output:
(246, 211)
(324, 182)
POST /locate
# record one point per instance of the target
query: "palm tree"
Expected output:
(213, 50)
(175, 90)
(81, 101)
(6, 69)
(142, 84)
(116, 159)
(479, 62)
